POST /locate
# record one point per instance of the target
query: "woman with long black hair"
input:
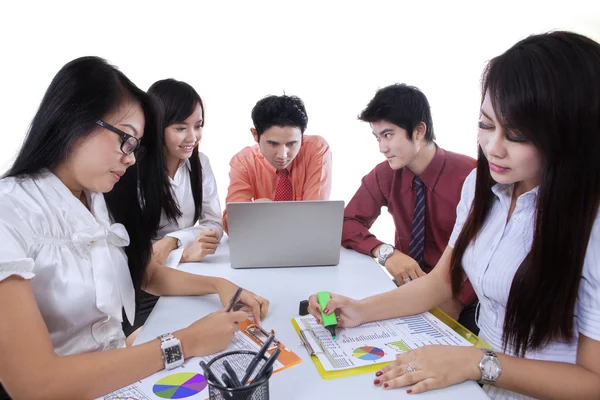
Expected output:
(527, 235)
(190, 225)
(77, 215)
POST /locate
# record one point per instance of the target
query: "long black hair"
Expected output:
(83, 91)
(546, 89)
(179, 100)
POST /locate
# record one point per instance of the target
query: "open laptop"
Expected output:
(285, 233)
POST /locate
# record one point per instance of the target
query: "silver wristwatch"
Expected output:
(171, 350)
(490, 367)
(385, 251)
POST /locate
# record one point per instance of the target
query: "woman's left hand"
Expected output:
(259, 306)
(433, 367)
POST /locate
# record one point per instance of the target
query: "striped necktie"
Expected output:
(283, 191)
(417, 236)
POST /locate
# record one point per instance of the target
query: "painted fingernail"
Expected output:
(378, 373)
(319, 320)
(385, 385)
(376, 381)
(326, 311)
(409, 391)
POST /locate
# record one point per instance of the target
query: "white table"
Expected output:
(356, 275)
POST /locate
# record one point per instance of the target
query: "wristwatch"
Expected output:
(385, 251)
(490, 367)
(172, 352)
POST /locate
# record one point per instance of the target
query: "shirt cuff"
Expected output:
(589, 323)
(22, 267)
(367, 246)
(187, 238)
(174, 258)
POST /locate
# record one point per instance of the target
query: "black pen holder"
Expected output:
(239, 361)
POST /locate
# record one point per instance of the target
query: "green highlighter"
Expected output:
(329, 320)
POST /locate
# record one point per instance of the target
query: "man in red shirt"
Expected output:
(284, 164)
(419, 184)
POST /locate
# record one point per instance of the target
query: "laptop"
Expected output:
(285, 233)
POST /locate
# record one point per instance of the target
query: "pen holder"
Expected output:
(239, 361)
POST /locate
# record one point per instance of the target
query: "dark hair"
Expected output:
(84, 90)
(545, 89)
(402, 105)
(279, 111)
(179, 100)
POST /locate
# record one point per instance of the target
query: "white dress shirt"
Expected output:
(184, 228)
(74, 259)
(491, 261)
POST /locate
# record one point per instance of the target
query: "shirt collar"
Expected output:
(431, 174)
(504, 194)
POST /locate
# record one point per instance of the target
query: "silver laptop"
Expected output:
(285, 233)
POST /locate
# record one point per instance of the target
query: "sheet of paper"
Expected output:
(186, 381)
(377, 342)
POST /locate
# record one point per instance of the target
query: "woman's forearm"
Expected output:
(165, 281)
(68, 377)
(548, 379)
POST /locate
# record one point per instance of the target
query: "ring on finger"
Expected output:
(406, 280)
(410, 368)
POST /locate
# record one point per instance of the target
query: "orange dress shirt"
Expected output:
(252, 177)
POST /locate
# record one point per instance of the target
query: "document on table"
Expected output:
(375, 342)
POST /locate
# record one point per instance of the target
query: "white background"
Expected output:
(333, 54)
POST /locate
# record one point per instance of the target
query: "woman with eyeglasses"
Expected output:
(77, 216)
(527, 235)
(190, 225)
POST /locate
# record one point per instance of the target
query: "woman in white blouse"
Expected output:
(75, 244)
(190, 225)
(527, 235)
(193, 221)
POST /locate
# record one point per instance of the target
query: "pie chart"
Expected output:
(179, 386)
(368, 353)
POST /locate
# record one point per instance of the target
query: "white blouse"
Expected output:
(491, 261)
(74, 259)
(184, 228)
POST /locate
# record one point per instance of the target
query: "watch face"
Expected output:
(173, 354)
(491, 369)
(386, 250)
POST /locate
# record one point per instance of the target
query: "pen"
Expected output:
(257, 359)
(227, 381)
(234, 299)
(232, 375)
(208, 373)
(269, 364)
(228, 384)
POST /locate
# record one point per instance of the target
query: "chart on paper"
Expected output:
(377, 342)
(184, 382)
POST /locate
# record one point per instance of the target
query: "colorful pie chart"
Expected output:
(179, 386)
(368, 353)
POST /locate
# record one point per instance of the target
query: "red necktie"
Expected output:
(283, 192)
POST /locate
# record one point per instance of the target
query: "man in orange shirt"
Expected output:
(284, 165)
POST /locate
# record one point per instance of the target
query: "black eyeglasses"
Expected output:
(129, 143)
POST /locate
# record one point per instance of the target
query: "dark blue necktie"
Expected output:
(417, 236)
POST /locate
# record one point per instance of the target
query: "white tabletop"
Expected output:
(356, 276)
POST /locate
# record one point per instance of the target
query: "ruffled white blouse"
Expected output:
(74, 258)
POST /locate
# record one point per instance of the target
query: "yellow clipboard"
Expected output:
(442, 316)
